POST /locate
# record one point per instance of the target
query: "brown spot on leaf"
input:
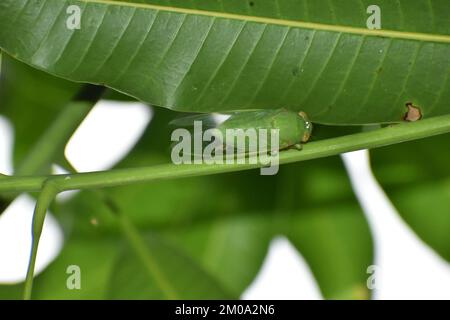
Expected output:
(413, 113)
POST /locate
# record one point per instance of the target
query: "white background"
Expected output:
(407, 268)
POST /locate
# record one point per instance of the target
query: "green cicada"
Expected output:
(292, 129)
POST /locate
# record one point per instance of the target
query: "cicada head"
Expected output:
(308, 127)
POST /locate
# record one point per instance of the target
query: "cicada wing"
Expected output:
(250, 118)
(211, 120)
(207, 120)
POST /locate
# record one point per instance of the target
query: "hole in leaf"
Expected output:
(413, 113)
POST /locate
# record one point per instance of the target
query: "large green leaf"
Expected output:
(316, 56)
(416, 177)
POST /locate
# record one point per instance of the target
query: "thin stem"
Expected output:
(324, 148)
(43, 153)
(14, 185)
(46, 197)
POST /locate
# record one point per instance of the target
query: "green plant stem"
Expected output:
(324, 148)
(46, 197)
(43, 153)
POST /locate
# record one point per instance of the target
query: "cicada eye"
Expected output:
(308, 132)
(308, 127)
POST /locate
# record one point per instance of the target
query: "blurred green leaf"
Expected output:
(231, 249)
(336, 243)
(31, 100)
(416, 177)
(325, 223)
(179, 277)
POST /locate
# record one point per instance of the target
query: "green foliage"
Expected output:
(416, 176)
(178, 277)
(206, 236)
(23, 89)
(313, 56)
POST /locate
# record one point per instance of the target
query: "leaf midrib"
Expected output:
(425, 37)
